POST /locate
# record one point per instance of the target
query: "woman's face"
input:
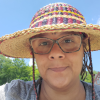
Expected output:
(59, 69)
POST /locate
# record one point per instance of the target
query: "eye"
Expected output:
(43, 44)
(67, 41)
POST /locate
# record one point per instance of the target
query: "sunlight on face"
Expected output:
(59, 69)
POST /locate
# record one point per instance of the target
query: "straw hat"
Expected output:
(57, 17)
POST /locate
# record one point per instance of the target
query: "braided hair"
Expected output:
(87, 64)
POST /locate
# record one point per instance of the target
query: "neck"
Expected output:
(73, 92)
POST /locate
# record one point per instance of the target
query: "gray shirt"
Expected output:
(21, 90)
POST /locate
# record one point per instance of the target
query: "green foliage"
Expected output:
(37, 74)
(88, 78)
(15, 69)
(5, 63)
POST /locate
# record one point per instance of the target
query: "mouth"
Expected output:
(60, 69)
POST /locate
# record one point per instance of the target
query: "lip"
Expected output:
(60, 69)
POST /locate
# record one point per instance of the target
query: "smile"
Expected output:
(60, 69)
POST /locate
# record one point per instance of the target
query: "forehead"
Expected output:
(56, 34)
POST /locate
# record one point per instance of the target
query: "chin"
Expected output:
(59, 86)
(59, 83)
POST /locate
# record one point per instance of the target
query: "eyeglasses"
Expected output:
(68, 44)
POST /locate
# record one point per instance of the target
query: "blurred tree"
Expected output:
(5, 64)
(88, 77)
(15, 69)
(37, 74)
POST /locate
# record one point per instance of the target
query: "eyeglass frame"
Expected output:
(56, 41)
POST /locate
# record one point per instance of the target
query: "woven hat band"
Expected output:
(56, 14)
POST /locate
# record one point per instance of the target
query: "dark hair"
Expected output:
(86, 59)
(87, 63)
(83, 73)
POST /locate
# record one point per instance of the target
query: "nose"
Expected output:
(56, 53)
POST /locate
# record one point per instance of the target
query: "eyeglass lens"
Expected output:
(68, 43)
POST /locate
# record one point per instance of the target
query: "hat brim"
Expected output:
(17, 44)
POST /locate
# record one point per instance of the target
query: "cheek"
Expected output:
(76, 60)
(41, 63)
(77, 65)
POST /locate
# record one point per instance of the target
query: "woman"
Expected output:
(59, 40)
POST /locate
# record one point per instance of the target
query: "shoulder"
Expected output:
(19, 90)
(2, 92)
(88, 88)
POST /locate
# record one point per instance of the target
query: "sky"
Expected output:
(17, 14)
